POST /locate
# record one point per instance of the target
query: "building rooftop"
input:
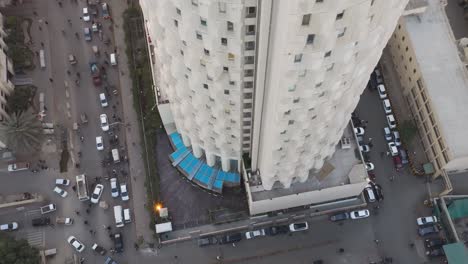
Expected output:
(445, 77)
(345, 167)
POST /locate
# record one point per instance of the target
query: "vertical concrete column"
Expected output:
(186, 140)
(225, 163)
(210, 159)
(197, 151)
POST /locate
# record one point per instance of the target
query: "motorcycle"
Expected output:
(82, 139)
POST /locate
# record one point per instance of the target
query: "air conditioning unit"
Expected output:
(345, 143)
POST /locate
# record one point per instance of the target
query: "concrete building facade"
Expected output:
(266, 85)
(6, 73)
(434, 80)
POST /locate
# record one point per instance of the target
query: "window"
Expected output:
(322, 94)
(232, 83)
(328, 54)
(176, 23)
(178, 11)
(230, 26)
(188, 69)
(410, 59)
(250, 30)
(226, 92)
(248, 73)
(226, 69)
(248, 105)
(231, 56)
(318, 1)
(341, 33)
(248, 95)
(296, 100)
(222, 7)
(248, 84)
(249, 45)
(199, 35)
(251, 11)
(310, 39)
(292, 88)
(302, 73)
(340, 15)
(330, 67)
(372, 3)
(203, 21)
(195, 2)
(202, 63)
(207, 52)
(283, 132)
(205, 86)
(298, 58)
(291, 122)
(403, 38)
(184, 42)
(317, 85)
(287, 112)
(247, 114)
(224, 41)
(306, 19)
(249, 59)
(209, 78)
(246, 123)
(182, 52)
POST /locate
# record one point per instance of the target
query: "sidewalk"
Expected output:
(136, 164)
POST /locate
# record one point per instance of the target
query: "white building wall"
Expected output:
(307, 104)
(6, 72)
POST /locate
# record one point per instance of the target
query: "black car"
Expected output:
(206, 241)
(426, 230)
(109, 260)
(118, 242)
(233, 238)
(43, 221)
(99, 249)
(339, 217)
(276, 230)
(435, 252)
(434, 242)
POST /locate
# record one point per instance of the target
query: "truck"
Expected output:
(64, 220)
(48, 208)
(119, 222)
(95, 73)
(18, 166)
(81, 187)
(115, 155)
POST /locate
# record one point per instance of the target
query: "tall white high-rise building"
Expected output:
(272, 80)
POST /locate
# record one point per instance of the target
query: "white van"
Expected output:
(369, 193)
(115, 155)
(127, 217)
(113, 59)
(118, 216)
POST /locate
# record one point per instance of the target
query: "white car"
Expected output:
(60, 191)
(298, 227)
(255, 233)
(391, 121)
(393, 149)
(364, 148)
(382, 91)
(396, 136)
(86, 16)
(124, 192)
(426, 220)
(103, 100)
(359, 214)
(9, 227)
(62, 182)
(97, 193)
(370, 166)
(76, 243)
(114, 187)
(104, 124)
(387, 106)
(99, 144)
(359, 131)
(388, 134)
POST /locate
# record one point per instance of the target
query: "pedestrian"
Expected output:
(77, 212)
(85, 222)
(370, 144)
(40, 28)
(376, 241)
(87, 211)
(51, 80)
(382, 154)
(47, 23)
(37, 53)
(74, 188)
(370, 139)
(35, 13)
(42, 44)
(80, 18)
(388, 153)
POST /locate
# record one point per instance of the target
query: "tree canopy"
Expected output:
(14, 251)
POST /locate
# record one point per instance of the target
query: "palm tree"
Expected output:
(22, 132)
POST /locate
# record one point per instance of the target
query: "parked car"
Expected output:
(427, 230)
(42, 221)
(76, 244)
(387, 106)
(19, 166)
(397, 162)
(114, 188)
(382, 91)
(396, 138)
(233, 238)
(434, 242)
(378, 76)
(391, 121)
(370, 166)
(339, 217)
(435, 252)
(426, 220)
(102, 251)
(404, 156)
(87, 34)
(105, 11)
(104, 124)
(388, 134)
(86, 17)
(9, 227)
(359, 131)
(276, 230)
(255, 233)
(124, 192)
(207, 241)
(97, 193)
(109, 260)
(103, 100)
(60, 191)
(392, 148)
(360, 214)
(99, 144)
(62, 182)
(295, 227)
(118, 242)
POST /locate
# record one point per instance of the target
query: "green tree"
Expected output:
(408, 131)
(17, 251)
(20, 99)
(22, 132)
